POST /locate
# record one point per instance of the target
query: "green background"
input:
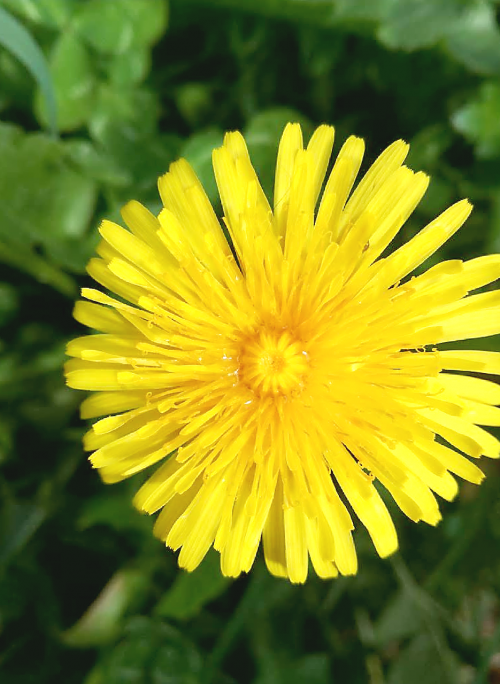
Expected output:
(86, 593)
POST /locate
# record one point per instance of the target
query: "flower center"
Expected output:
(273, 363)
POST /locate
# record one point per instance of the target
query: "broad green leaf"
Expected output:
(40, 362)
(95, 163)
(313, 669)
(138, 108)
(359, 10)
(474, 40)
(415, 24)
(440, 194)
(192, 591)
(17, 40)
(74, 201)
(39, 268)
(428, 147)
(73, 253)
(198, 151)
(151, 652)
(74, 83)
(50, 13)
(262, 595)
(478, 120)
(398, 620)
(145, 158)
(124, 125)
(113, 510)
(117, 26)
(16, 81)
(424, 661)
(130, 68)
(46, 203)
(427, 153)
(103, 620)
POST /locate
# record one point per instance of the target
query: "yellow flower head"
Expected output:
(281, 359)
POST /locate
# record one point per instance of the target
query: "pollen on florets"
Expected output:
(273, 363)
(274, 373)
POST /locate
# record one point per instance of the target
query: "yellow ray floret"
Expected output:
(289, 368)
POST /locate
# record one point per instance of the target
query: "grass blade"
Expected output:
(15, 38)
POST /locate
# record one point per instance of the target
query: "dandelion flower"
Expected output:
(283, 367)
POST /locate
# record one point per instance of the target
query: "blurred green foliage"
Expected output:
(86, 593)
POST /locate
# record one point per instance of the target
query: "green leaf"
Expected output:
(359, 10)
(130, 68)
(194, 101)
(9, 302)
(415, 24)
(262, 594)
(427, 153)
(13, 596)
(124, 123)
(18, 523)
(313, 669)
(198, 151)
(46, 203)
(493, 244)
(50, 13)
(398, 620)
(192, 591)
(150, 652)
(115, 27)
(138, 108)
(478, 120)
(17, 40)
(474, 40)
(38, 267)
(310, 11)
(74, 83)
(103, 620)
(262, 136)
(6, 440)
(428, 147)
(113, 510)
(424, 661)
(17, 82)
(95, 163)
